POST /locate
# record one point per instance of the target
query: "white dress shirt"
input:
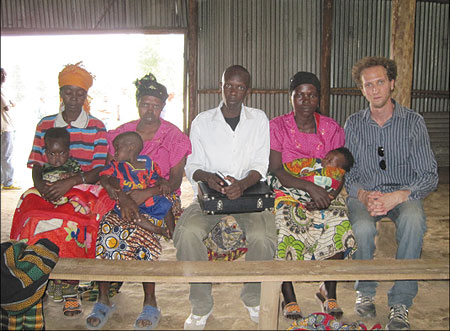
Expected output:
(216, 147)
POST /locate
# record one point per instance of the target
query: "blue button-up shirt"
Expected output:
(410, 162)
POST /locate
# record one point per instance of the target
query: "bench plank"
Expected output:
(270, 273)
(249, 271)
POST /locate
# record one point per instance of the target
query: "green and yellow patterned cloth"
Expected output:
(305, 234)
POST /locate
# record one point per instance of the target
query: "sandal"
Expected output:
(151, 314)
(331, 307)
(100, 312)
(72, 307)
(292, 310)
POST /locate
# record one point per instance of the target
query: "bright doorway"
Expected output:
(33, 63)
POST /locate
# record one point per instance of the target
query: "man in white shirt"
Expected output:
(7, 139)
(232, 139)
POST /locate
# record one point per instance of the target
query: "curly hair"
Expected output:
(373, 61)
(57, 133)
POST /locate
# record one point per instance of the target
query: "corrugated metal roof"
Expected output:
(36, 16)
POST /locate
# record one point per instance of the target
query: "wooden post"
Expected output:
(325, 65)
(402, 47)
(269, 305)
(192, 60)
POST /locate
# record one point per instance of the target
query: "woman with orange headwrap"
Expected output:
(74, 232)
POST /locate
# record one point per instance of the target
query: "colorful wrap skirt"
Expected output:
(120, 240)
(310, 235)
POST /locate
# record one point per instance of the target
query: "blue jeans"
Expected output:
(7, 151)
(410, 222)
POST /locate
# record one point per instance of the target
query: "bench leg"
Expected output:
(269, 305)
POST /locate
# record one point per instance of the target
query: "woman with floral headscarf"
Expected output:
(168, 147)
(70, 227)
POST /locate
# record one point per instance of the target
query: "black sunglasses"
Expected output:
(382, 163)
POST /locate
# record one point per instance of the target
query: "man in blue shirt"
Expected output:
(394, 171)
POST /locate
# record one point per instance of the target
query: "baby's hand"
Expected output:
(164, 187)
(113, 193)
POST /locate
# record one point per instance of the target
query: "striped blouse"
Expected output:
(409, 161)
(88, 143)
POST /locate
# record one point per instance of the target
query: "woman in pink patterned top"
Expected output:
(122, 237)
(313, 230)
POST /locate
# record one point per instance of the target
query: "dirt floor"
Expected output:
(429, 312)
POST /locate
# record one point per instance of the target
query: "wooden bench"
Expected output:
(270, 273)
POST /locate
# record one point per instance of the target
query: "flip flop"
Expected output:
(291, 310)
(149, 313)
(101, 312)
(72, 305)
(329, 306)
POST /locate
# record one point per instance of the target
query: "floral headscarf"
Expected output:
(148, 85)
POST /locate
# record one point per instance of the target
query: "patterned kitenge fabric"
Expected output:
(131, 178)
(32, 319)
(322, 321)
(311, 169)
(310, 235)
(25, 272)
(226, 240)
(52, 173)
(119, 240)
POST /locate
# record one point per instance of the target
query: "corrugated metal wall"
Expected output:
(431, 56)
(360, 28)
(272, 39)
(37, 16)
(275, 39)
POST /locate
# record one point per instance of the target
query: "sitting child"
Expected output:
(60, 166)
(130, 171)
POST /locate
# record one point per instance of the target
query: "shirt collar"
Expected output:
(218, 116)
(81, 122)
(399, 111)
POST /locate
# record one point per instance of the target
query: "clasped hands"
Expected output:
(379, 204)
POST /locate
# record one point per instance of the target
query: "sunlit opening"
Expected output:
(32, 64)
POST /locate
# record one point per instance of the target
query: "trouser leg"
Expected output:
(7, 141)
(364, 229)
(191, 229)
(410, 221)
(260, 234)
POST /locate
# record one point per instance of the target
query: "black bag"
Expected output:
(258, 197)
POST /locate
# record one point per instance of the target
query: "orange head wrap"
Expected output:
(74, 74)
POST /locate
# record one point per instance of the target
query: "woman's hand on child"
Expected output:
(128, 208)
(42, 186)
(319, 196)
(56, 190)
(138, 196)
